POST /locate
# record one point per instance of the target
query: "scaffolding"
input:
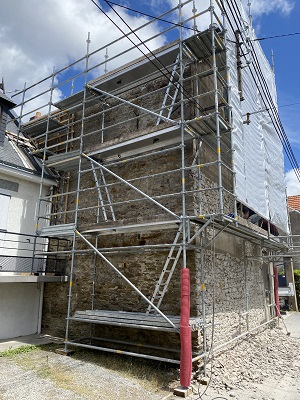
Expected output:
(144, 156)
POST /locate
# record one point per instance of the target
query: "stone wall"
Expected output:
(234, 290)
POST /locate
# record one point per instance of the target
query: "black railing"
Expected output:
(21, 253)
(35, 265)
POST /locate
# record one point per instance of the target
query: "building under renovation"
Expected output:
(160, 158)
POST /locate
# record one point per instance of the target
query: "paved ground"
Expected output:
(292, 322)
(94, 382)
(36, 340)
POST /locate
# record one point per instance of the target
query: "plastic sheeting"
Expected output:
(257, 156)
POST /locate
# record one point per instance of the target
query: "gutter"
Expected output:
(26, 174)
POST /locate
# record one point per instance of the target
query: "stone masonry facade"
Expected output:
(232, 288)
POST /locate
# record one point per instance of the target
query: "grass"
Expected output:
(19, 350)
(153, 376)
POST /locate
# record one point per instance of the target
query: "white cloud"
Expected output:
(292, 183)
(37, 35)
(260, 7)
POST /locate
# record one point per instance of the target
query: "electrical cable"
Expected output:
(271, 110)
(267, 109)
(193, 29)
(279, 129)
(180, 86)
(289, 105)
(277, 123)
(275, 36)
(153, 17)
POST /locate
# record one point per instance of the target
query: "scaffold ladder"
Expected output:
(171, 91)
(103, 205)
(166, 274)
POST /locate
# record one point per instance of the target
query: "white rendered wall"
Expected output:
(20, 302)
(19, 311)
(23, 206)
(22, 211)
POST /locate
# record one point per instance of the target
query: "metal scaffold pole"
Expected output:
(77, 192)
(185, 329)
(216, 101)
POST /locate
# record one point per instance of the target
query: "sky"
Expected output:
(38, 37)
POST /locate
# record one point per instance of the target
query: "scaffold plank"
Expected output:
(132, 319)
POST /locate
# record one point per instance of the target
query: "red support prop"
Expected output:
(276, 292)
(185, 331)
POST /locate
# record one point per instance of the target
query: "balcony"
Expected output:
(19, 262)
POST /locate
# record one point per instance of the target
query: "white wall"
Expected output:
(23, 206)
(19, 309)
(22, 210)
(19, 302)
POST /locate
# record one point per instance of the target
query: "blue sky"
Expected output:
(286, 59)
(37, 35)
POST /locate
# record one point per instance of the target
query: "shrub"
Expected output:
(297, 284)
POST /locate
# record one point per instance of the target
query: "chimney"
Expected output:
(38, 114)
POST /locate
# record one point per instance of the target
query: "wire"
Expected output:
(265, 95)
(277, 123)
(180, 86)
(275, 37)
(153, 17)
(188, 27)
(267, 109)
(289, 105)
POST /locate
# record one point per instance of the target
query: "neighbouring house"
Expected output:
(294, 215)
(21, 276)
(286, 278)
(158, 160)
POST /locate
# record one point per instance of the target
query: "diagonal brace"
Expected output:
(93, 89)
(131, 186)
(125, 279)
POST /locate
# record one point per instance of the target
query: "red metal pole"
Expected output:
(276, 293)
(185, 330)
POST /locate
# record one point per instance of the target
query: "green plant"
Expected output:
(297, 284)
(19, 350)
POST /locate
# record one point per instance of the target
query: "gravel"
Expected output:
(262, 366)
(43, 375)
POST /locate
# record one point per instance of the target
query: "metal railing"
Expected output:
(27, 254)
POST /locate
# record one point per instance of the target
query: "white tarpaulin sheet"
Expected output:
(257, 156)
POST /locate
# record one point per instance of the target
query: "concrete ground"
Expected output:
(292, 322)
(36, 340)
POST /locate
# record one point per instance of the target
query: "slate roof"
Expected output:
(12, 123)
(17, 155)
(294, 202)
(9, 155)
(6, 100)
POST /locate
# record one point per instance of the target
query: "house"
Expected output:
(156, 160)
(22, 277)
(287, 291)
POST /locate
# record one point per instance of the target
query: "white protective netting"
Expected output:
(257, 157)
